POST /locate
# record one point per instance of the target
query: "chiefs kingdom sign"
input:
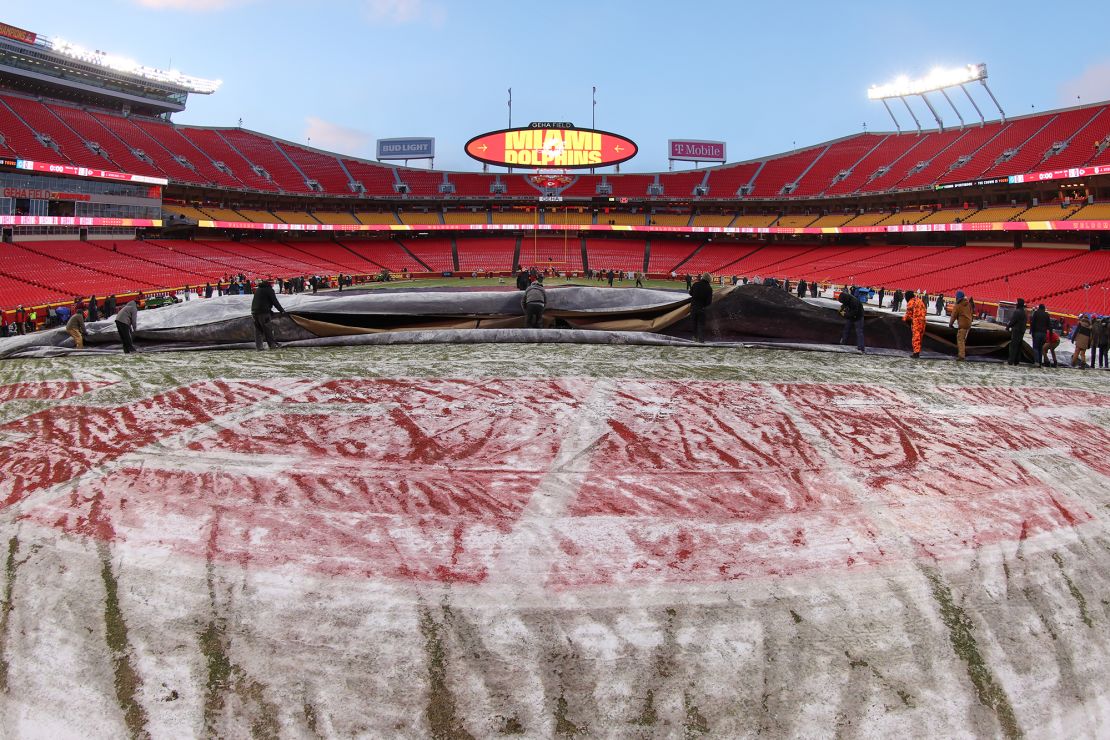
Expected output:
(562, 148)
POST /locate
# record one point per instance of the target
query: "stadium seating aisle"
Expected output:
(1031, 156)
(778, 173)
(1011, 136)
(1053, 212)
(435, 252)
(725, 181)
(930, 146)
(213, 145)
(840, 157)
(177, 256)
(323, 168)
(666, 255)
(56, 265)
(70, 145)
(122, 138)
(378, 179)
(1092, 212)
(421, 182)
(20, 138)
(964, 146)
(266, 153)
(177, 145)
(382, 252)
(884, 155)
(335, 257)
(720, 258)
(681, 184)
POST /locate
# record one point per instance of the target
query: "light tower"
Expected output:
(938, 80)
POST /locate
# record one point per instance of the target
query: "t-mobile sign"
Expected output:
(693, 150)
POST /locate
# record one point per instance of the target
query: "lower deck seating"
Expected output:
(37, 272)
(615, 254)
(493, 254)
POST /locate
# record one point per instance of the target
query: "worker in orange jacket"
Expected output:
(915, 317)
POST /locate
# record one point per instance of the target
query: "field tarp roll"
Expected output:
(738, 314)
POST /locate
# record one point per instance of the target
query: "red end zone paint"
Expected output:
(426, 480)
(49, 390)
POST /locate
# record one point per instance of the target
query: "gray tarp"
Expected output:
(585, 315)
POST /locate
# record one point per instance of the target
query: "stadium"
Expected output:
(418, 518)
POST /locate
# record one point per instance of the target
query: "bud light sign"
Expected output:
(693, 150)
(409, 148)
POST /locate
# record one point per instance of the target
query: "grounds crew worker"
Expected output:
(961, 312)
(701, 295)
(126, 321)
(265, 300)
(534, 301)
(915, 317)
(75, 327)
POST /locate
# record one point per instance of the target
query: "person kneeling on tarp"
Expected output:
(262, 305)
(75, 327)
(534, 302)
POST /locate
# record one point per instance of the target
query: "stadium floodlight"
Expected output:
(130, 66)
(939, 80)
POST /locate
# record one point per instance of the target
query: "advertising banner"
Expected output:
(556, 148)
(556, 228)
(76, 221)
(74, 171)
(18, 34)
(1067, 174)
(696, 150)
(423, 147)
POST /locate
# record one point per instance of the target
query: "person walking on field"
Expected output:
(1016, 326)
(534, 301)
(940, 304)
(262, 306)
(915, 317)
(1039, 327)
(961, 313)
(126, 323)
(75, 327)
(701, 295)
(852, 310)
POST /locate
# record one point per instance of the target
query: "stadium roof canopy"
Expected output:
(56, 68)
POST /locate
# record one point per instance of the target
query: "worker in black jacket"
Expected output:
(534, 301)
(701, 295)
(852, 310)
(264, 301)
(1017, 332)
(522, 280)
(1039, 324)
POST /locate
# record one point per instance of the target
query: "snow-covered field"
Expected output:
(552, 540)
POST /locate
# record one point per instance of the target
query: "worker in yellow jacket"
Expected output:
(915, 317)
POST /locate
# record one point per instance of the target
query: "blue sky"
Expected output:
(762, 77)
